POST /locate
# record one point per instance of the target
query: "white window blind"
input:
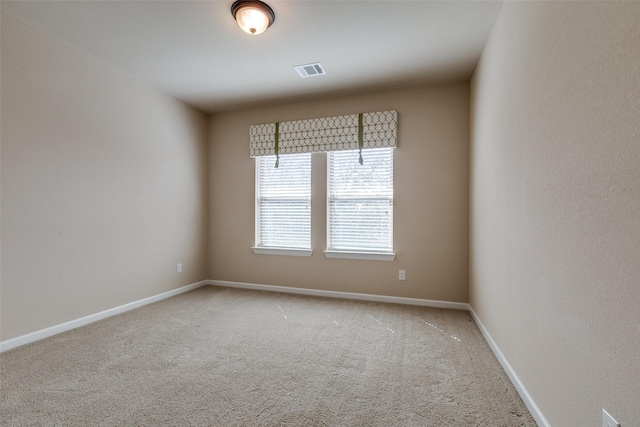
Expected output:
(360, 201)
(283, 202)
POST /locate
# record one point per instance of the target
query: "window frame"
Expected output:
(277, 250)
(356, 254)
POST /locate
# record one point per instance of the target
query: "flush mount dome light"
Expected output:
(253, 16)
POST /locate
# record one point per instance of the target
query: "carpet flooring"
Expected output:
(231, 357)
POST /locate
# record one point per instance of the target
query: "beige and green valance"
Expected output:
(351, 132)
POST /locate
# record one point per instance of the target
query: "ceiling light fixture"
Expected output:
(253, 16)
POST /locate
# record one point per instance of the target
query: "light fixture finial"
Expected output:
(253, 16)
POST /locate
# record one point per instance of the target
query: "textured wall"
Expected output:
(431, 184)
(103, 185)
(555, 204)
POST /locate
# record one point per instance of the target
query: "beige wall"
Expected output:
(104, 189)
(555, 204)
(103, 185)
(430, 199)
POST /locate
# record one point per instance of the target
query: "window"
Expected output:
(360, 204)
(283, 205)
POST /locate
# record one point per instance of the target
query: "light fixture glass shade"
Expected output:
(253, 16)
(251, 20)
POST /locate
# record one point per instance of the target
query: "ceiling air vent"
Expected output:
(310, 70)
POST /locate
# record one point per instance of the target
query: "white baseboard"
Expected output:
(520, 388)
(63, 327)
(72, 324)
(343, 295)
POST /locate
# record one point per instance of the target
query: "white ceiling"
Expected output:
(194, 50)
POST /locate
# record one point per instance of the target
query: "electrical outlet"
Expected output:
(179, 268)
(401, 275)
(607, 420)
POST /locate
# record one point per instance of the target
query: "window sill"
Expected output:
(282, 251)
(361, 255)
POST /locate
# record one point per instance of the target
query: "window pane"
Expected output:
(283, 201)
(360, 204)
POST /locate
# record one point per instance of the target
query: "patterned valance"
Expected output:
(352, 132)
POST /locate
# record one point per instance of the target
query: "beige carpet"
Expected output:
(229, 357)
